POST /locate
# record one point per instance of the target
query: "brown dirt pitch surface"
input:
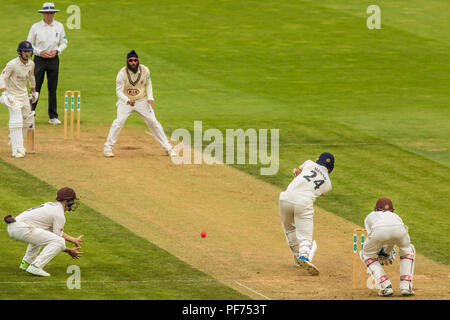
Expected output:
(170, 205)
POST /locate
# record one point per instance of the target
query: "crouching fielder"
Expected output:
(135, 94)
(296, 208)
(384, 230)
(42, 226)
(13, 84)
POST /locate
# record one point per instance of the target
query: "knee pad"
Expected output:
(15, 123)
(29, 120)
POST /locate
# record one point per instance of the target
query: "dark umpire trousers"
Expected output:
(51, 66)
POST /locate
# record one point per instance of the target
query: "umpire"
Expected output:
(49, 40)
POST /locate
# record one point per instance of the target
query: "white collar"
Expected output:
(46, 24)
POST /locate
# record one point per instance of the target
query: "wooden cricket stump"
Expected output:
(72, 111)
(359, 270)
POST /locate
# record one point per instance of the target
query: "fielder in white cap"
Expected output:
(135, 94)
(43, 226)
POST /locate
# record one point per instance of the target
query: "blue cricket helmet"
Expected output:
(25, 46)
(326, 159)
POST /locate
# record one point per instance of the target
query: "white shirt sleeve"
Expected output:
(303, 165)
(149, 86)
(62, 39)
(368, 224)
(32, 38)
(58, 224)
(120, 84)
(31, 78)
(5, 76)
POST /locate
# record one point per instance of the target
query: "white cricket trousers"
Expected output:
(146, 112)
(297, 222)
(20, 120)
(36, 238)
(389, 235)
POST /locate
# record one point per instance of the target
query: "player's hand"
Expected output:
(150, 102)
(131, 102)
(5, 99)
(52, 53)
(74, 253)
(44, 54)
(297, 171)
(78, 241)
(34, 96)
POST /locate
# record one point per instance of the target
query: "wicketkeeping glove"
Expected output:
(386, 258)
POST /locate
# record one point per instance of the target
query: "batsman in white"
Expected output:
(43, 226)
(384, 230)
(13, 84)
(135, 94)
(296, 208)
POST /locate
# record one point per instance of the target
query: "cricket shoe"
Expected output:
(386, 292)
(19, 155)
(171, 153)
(108, 153)
(54, 121)
(24, 265)
(306, 264)
(37, 271)
(296, 256)
(407, 292)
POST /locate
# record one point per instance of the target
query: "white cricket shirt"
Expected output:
(312, 182)
(15, 76)
(381, 219)
(48, 216)
(47, 37)
(141, 87)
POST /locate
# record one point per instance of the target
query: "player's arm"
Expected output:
(32, 81)
(149, 90)
(4, 76)
(120, 84)
(62, 40)
(5, 99)
(75, 241)
(32, 39)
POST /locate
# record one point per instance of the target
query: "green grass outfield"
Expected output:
(116, 263)
(377, 99)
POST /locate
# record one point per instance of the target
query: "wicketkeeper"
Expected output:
(297, 211)
(384, 230)
(13, 84)
(43, 226)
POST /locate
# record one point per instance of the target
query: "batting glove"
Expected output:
(5, 99)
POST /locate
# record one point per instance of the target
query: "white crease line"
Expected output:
(106, 281)
(267, 298)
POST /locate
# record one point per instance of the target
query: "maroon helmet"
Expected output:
(384, 204)
(69, 195)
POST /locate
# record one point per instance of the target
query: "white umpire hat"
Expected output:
(48, 7)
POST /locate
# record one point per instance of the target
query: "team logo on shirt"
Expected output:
(133, 92)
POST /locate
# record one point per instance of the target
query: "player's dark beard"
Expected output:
(133, 69)
(23, 58)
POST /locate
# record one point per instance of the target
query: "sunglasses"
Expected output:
(132, 60)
